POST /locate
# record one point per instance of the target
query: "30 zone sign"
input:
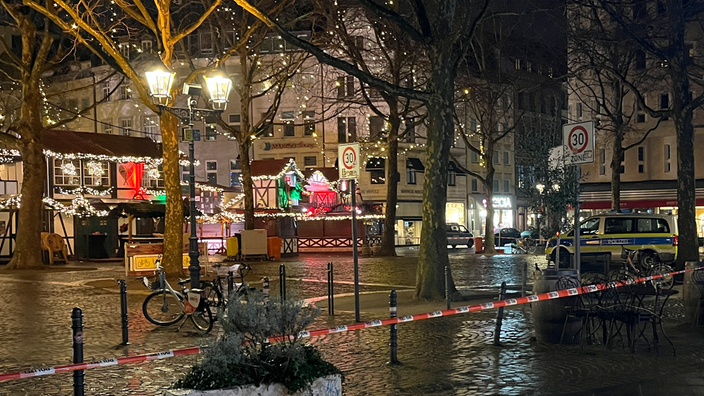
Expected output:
(579, 142)
(348, 160)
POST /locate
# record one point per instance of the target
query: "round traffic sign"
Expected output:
(349, 158)
(578, 139)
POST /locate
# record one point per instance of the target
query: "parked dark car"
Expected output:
(506, 235)
(457, 234)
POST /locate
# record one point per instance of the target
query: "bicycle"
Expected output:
(214, 290)
(525, 245)
(173, 306)
(635, 266)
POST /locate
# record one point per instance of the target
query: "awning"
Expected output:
(454, 168)
(414, 163)
(376, 164)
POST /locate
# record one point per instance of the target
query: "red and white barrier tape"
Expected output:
(356, 326)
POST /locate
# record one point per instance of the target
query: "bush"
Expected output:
(243, 356)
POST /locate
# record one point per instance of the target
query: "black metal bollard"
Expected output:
(499, 315)
(447, 287)
(393, 329)
(266, 289)
(331, 290)
(282, 282)
(524, 282)
(123, 309)
(230, 283)
(77, 331)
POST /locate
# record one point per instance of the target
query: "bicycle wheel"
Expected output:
(532, 249)
(203, 319)
(213, 297)
(163, 308)
(666, 282)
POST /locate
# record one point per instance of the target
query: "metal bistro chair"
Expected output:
(581, 306)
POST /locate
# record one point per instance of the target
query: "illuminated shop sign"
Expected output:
(500, 202)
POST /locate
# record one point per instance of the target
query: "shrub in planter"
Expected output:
(243, 356)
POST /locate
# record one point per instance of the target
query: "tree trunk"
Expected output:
(688, 249)
(432, 258)
(173, 223)
(616, 175)
(28, 252)
(489, 240)
(247, 184)
(388, 242)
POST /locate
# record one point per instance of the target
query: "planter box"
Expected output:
(325, 386)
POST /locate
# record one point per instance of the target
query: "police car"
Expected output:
(655, 235)
(457, 234)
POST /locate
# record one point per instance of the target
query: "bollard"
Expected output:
(499, 315)
(266, 289)
(77, 330)
(331, 290)
(447, 287)
(230, 283)
(524, 283)
(393, 330)
(123, 309)
(282, 282)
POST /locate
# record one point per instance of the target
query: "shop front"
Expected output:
(504, 213)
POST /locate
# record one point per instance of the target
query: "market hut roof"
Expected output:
(144, 210)
(274, 168)
(330, 173)
(89, 143)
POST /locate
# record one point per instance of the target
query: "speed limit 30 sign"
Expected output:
(348, 160)
(578, 142)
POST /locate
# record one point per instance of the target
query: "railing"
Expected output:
(327, 242)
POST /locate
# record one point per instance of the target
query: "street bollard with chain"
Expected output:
(282, 282)
(331, 290)
(230, 283)
(77, 330)
(393, 330)
(447, 287)
(123, 310)
(266, 289)
(499, 315)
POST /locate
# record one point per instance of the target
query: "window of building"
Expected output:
(602, 162)
(496, 185)
(125, 126)
(496, 158)
(640, 114)
(641, 159)
(211, 169)
(206, 42)
(506, 186)
(664, 101)
(288, 115)
(106, 92)
(310, 161)
(376, 126)
(107, 127)
(154, 183)
(85, 103)
(185, 173)
(73, 104)
(96, 173)
(125, 92)
(234, 121)
(410, 131)
(359, 42)
(451, 178)
(308, 123)
(341, 130)
(352, 128)
(147, 46)
(151, 127)
(579, 110)
(345, 87)
(235, 179)
(67, 172)
(474, 157)
(378, 176)
(640, 60)
(125, 50)
(211, 132)
(289, 129)
(410, 175)
(506, 158)
(475, 185)
(667, 155)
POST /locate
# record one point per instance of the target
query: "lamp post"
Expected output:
(160, 82)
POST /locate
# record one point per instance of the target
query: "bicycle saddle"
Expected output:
(183, 281)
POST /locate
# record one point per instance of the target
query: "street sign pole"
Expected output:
(577, 230)
(348, 167)
(355, 255)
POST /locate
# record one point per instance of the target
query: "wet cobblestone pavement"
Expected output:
(445, 356)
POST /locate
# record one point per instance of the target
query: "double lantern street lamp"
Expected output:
(160, 82)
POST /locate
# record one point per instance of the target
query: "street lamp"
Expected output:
(160, 82)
